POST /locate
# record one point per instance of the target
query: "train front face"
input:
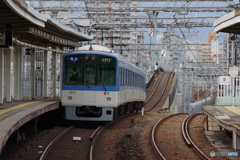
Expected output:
(89, 86)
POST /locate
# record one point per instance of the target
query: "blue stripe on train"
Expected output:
(99, 88)
(89, 88)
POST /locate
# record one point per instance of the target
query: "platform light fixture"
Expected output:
(233, 38)
(28, 51)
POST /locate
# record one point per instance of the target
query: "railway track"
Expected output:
(88, 149)
(97, 150)
(201, 95)
(162, 86)
(73, 143)
(152, 87)
(171, 145)
(80, 143)
(187, 136)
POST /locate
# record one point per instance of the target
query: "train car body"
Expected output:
(98, 85)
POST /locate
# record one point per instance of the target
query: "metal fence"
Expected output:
(228, 86)
(39, 89)
(39, 79)
(228, 91)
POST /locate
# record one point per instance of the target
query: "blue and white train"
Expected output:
(98, 85)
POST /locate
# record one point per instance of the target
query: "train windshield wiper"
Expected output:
(104, 87)
(87, 85)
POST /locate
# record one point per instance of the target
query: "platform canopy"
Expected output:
(30, 26)
(229, 23)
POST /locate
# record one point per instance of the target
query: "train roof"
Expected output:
(95, 48)
(107, 51)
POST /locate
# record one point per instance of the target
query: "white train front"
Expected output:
(99, 86)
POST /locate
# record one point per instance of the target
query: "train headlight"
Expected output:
(69, 97)
(108, 98)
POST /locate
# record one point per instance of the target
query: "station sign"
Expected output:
(38, 73)
(224, 80)
(163, 53)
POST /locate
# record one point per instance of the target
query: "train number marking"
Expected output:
(72, 92)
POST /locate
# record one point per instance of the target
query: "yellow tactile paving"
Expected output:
(23, 105)
(13, 122)
(233, 109)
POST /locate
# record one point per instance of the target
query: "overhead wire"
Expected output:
(97, 21)
(191, 50)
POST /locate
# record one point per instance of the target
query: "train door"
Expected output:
(89, 94)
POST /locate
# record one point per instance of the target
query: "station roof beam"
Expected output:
(29, 26)
(229, 23)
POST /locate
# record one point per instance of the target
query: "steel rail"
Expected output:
(95, 132)
(187, 137)
(100, 131)
(50, 145)
(153, 134)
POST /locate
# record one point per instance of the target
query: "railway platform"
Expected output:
(226, 111)
(228, 117)
(16, 114)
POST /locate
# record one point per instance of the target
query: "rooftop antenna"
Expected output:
(90, 48)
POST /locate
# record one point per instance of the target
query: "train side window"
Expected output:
(122, 76)
(142, 82)
(130, 78)
(139, 81)
(136, 80)
(133, 79)
(127, 77)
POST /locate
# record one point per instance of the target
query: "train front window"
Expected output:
(72, 70)
(107, 71)
(89, 74)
